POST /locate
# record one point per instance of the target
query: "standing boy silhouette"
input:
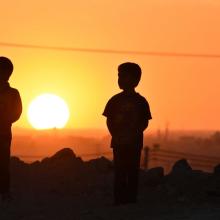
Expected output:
(10, 111)
(127, 115)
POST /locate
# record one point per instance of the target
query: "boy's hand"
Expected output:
(126, 139)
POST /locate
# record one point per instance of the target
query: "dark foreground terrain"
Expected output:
(65, 187)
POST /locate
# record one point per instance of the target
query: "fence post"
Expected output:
(146, 157)
(155, 161)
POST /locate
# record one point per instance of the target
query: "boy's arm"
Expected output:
(111, 126)
(17, 107)
(144, 124)
(146, 115)
(108, 112)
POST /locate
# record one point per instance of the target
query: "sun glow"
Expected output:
(48, 111)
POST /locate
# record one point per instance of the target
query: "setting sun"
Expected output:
(48, 111)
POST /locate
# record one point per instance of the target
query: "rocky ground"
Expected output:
(65, 187)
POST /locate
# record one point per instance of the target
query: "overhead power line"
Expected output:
(111, 51)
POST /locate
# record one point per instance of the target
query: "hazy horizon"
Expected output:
(31, 144)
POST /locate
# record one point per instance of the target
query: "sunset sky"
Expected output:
(182, 91)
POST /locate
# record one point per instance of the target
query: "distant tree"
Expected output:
(216, 137)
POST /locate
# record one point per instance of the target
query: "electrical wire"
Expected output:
(111, 51)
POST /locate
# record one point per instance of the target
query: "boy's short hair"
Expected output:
(131, 69)
(6, 68)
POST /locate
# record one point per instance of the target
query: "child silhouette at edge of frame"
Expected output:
(127, 115)
(10, 111)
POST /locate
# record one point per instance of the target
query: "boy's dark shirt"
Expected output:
(10, 108)
(127, 112)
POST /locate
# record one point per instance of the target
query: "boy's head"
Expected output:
(6, 68)
(129, 75)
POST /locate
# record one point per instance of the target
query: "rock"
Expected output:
(19, 171)
(183, 182)
(100, 164)
(154, 176)
(181, 167)
(217, 170)
(64, 157)
(35, 163)
(63, 153)
(16, 160)
(16, 163)
(62, 167)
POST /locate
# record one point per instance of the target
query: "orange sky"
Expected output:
(182, 91)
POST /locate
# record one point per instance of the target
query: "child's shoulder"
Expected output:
(141, 98)
(13, 90)
(122, 96)
(12, 93)
(116, 97)
(8, 90)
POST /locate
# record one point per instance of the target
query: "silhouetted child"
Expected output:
(10, 111)
(127, 115)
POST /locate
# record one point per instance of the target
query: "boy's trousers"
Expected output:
(126, 170)
(5, 142)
